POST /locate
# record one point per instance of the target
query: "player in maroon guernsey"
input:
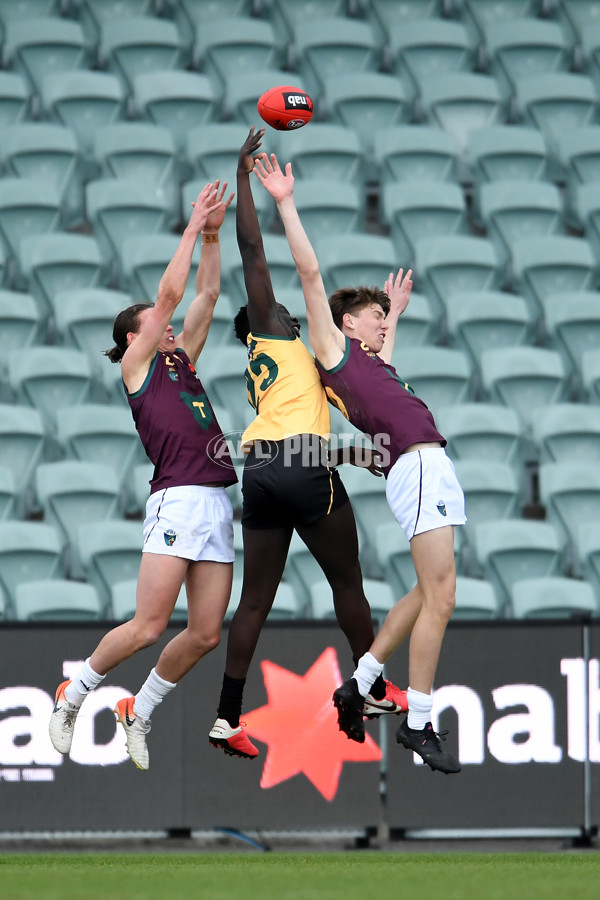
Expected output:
(352, 335)
(188, 529)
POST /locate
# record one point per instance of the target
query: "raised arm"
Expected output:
(208, 281)
(326, 339)
(263, 314)
(398, 290)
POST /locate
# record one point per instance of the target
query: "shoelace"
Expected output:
(69, 719)
(436, 737)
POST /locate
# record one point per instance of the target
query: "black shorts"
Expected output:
(288, 483)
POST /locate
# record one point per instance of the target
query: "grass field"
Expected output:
(295, 876)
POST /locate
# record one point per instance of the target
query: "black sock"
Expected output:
(378, 688)
(230, 701)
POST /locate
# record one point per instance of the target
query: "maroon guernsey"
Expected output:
(376, 400)
(177, 425)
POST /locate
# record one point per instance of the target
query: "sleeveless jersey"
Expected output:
(177, 425)
(376, 400)
(284, 388)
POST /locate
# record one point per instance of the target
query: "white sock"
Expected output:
(419, 709)
(151, 693)
(367, 671)
(84, 682)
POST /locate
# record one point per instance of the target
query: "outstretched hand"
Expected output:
(214, 219)
(249, 148)
(208, 202)
(278, 184)
(398, 290)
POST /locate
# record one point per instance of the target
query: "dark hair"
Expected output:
(352, 300)
(127, 320)
(241, 325)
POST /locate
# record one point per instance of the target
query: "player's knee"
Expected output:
(149, 633)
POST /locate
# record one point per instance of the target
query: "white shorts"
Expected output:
(192, 521)
(423, 491)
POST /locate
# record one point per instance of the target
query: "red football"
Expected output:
(285, 108)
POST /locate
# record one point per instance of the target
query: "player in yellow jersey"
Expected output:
(288, 482)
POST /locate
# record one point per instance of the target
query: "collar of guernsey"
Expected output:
(285, 390)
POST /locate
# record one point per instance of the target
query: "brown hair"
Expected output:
(352, 300)
(127, 320)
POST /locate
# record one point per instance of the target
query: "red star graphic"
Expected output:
(299, 725)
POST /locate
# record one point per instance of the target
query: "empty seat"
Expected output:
(109, 552)
(138, 150)
(567, 433)
(515, 210)
(28, 206)
(84, 104)
(282, 267)
(551, 265)
(379, 594)
(286, 15)
(590, 375)
(415, 152)
(39, 47)
(387, 14)
(97, 433)
(572, 325)
(325, 151)
(174, 99)
(301, 572)
(85, 318)
(475, 599)
(339, 46)
(56, 600)
(553, 598)
(416, 210)
(20, 321)
(392, 549)
(557, 103)
(58, 262)
(8, 495)
(226, 384)
(578, 151)
(587, 553)
(354, 259)
(484, 320)
(263, 203)
(367, 102)
(133, 46)
(329, 207)
(235, 44)
(369, 502)
(428, 48)
(571, 494)
(481, 431)
(523, 378)
(461, 102)
(480, 15)
(93, 15)
(492, 490)
(418, 324)
(123, 601)
(456, 264)
(14, 98)
(49, 378)
(212, 151)
(22, 441)
(586, 209)
(509, 550)
(28, 551)
(524, 47)
(144, 258)
(438, 375)
(507, 152)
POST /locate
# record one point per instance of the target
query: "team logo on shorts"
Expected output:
(441, 508)
(170, 537)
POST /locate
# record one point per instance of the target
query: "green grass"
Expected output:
(354, 875)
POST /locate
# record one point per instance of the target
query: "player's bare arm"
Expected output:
(326, 339)
(398, 289)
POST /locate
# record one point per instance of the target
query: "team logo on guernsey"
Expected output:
(173, 375)
(441, 508)
(170, 537)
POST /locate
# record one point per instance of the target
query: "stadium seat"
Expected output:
(85, 318)
(567, 433)
(571, 494)
(279, 258)
(415, 210)
(480, 14)
(551, 265)
(49, 378)
(369, 502)
(329, 207)
(120, 207)
(93, 15)
(285, 15)
(456, 264)
(242, 90)
(587, 553)
(557, 103)
(428, 48)
(137, 150)
(20, 322)
(325, 151)
(123, 602)
(99, 433)
(174, 99)
(56, 600)
(523, 378)
(590, 375)
(586, 210)
(461, 102)
(212, 151)
(28, 206)
(475, 600)
(54, 263)
(143, 260)
(492, 490)
(481, 431)
(14, 99)
(417, 325)
(512, 211)
(392, 549)
(483, 320)
(72, 493)
(572, 327)
(438, 375)
(17, 9)
(387, 14)
(49, 152)
(367, 102)
(589, 47)
(509, 550)
(39, 47)
(235, 44)
(355, 259)
(265, 209)
(553, 598)
(8, 495)
(578, 151)
(109, 552)
(519, 48)
(339, 46)
(22, 442)
(133, 46)
(379, 594)
(506, 153)
(84, 104)
(285, 605)
(415, 152)
(226, 385)
(301, 572)
(142, 473)
(28, 551)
